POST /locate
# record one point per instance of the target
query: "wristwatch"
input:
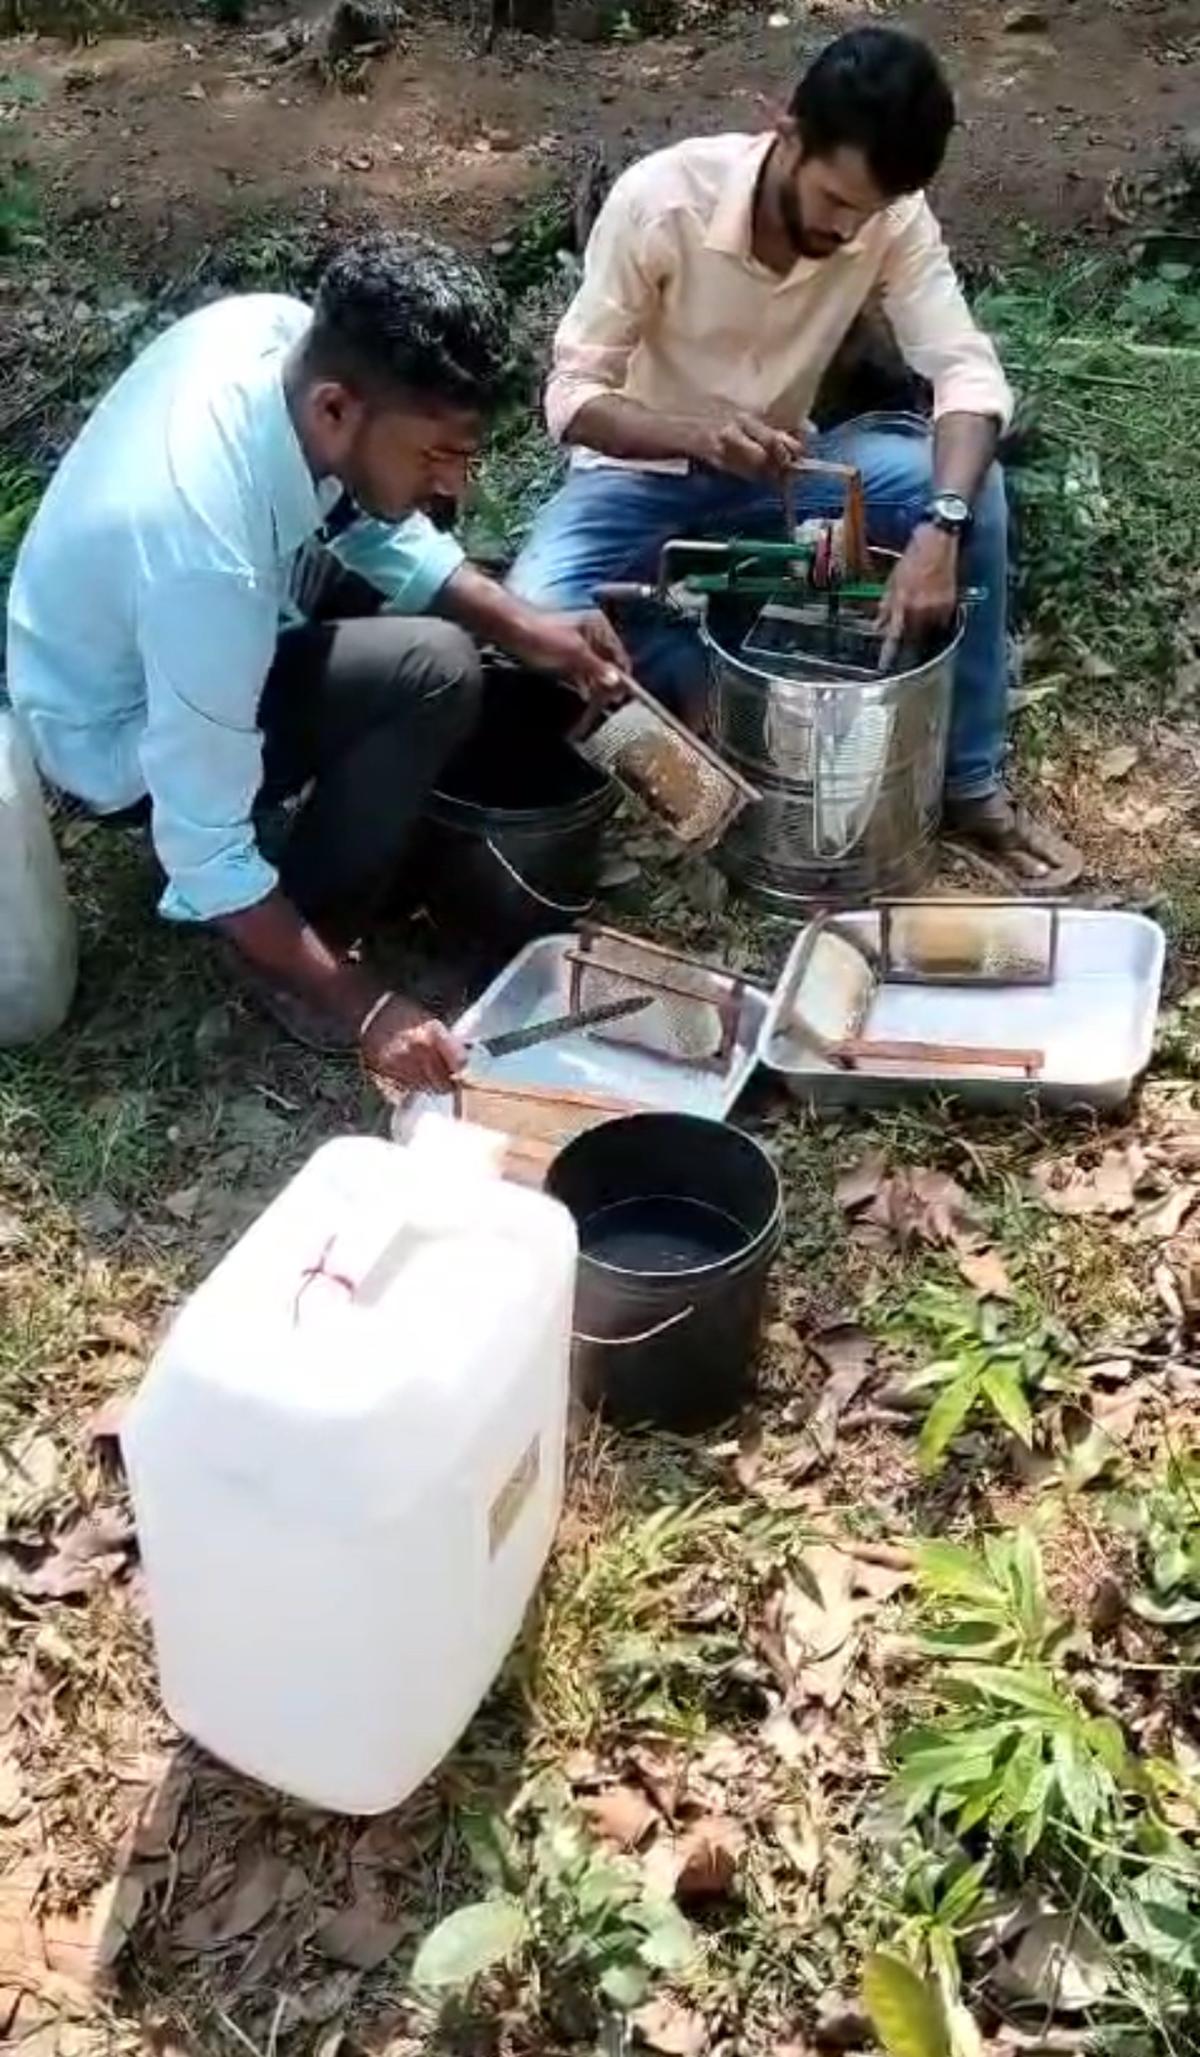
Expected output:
(948, 512)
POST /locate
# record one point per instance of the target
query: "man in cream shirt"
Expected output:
(721, 277)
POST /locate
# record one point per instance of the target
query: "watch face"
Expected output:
(952, 507)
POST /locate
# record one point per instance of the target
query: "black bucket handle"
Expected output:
(573, 907)
(647, 1335)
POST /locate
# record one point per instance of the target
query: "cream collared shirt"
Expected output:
(676, 312)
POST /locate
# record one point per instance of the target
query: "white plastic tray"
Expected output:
(1095, 1024)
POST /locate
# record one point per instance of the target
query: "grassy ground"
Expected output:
(707, 1715)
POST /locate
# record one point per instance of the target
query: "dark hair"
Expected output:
(398, 315)
(881, 92)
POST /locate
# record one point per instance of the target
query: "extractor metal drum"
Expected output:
(849, 762)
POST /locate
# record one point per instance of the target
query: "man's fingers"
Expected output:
(889, 625)
(445, 1056)
(744, 453)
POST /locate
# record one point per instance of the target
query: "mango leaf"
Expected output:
(469, 1942)
(1078, 1781)
(905, 2011)
(1015, 1686)
(949, 1569)
(971, 1638)
(963, 1894)
(1003, 1388)
(1028, 1581)
(944, 1419)
(1158, 1918)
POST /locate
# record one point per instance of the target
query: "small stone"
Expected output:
(115, 203)
(360, 160)
(195, 92)
(502, 139)
(1026, 21)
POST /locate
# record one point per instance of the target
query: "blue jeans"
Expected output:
(605, 523)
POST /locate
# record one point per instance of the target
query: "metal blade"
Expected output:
(562, 1025)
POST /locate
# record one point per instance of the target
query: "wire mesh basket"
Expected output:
(693, 792)
(695, 1009)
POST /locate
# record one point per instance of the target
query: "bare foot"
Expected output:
(1010, 844)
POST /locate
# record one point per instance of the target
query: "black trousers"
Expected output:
(359, 717)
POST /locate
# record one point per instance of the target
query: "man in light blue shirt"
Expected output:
(155, 650)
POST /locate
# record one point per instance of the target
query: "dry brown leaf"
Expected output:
(29, 1473)
(1117, 1412)
(748, 1462)
(621, 1815)
(1164, 1218)
(1167, 1288)
(818, 1640)
(360, 1935)
(661, 1772)
(258, 1885)
(1138, 816)
(800, 1839)
(987, 1272)
(14, 1800)
(84, 1946)
(879, 1582)
(21, 1952)
(324, 2001)
(275, 1942)
(158, 1815)
(1118, 762)
(919, 1205)
(666, 2026)
(84, 1557)
(861, 1183)
(1107, 1189)
(847, 1353)
(387, 1845)
(119, 1331)
(707, 1858)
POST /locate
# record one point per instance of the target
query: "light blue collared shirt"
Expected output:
(150, 590)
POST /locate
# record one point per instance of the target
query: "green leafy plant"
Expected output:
(1013, 1749)
(990, 1603)
(586, 1918)
(1019, 1753)
(982, 1365)
(1163, 307)
(943, 1895)
(1167, 1521)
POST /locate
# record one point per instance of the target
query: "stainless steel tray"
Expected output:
(1095, 1024)
(535, 986)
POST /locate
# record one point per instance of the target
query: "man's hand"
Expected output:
(922, 592)
(749, 448)
(407, 1048)
(583, 648)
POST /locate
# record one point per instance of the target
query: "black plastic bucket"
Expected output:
(679, 1219)
(514, 829)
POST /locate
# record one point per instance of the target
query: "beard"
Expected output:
(803, 241)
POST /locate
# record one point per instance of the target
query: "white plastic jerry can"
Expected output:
(37, 927)
(347, 1465)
